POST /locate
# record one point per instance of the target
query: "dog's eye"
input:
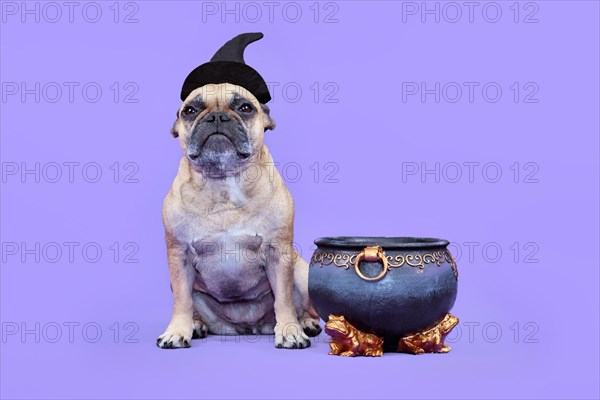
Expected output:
(189, 110)
(246, 108)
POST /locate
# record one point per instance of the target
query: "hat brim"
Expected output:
(227, 72)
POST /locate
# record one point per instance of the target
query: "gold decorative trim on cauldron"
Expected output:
(347, 260)
(348, 341)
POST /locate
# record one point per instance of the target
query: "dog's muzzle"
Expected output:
(218, 138)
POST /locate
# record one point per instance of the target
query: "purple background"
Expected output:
(547, 293)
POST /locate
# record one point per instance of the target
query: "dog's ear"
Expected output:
(173, 128)
(268, 122)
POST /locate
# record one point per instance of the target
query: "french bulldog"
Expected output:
(228, 221)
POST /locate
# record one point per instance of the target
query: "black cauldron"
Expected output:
(388, 286)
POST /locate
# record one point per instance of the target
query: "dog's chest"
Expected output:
(230, 265)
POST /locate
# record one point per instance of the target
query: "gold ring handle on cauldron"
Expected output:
(371, 254)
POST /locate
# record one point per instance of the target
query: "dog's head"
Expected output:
(221, 129)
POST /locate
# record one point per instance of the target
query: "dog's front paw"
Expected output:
(290, 336)
(310, 325)
(177, 335)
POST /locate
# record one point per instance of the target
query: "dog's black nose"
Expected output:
(193, 156)
(215, 116)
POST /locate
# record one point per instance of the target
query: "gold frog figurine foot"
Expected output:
(348, 341)
(430, 340)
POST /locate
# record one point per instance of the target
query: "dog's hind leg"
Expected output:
(307, 316)
(309, 324)
(206, 319)
(200, 329)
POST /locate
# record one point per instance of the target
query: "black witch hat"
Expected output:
(228, 66)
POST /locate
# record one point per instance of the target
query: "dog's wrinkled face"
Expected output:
(221, 128)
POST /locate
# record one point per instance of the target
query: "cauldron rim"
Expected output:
(387, 242)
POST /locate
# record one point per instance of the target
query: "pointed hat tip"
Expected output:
(233, 50)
